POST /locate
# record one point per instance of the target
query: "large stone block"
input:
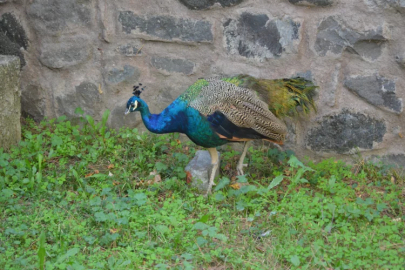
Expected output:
(377, 90)
(334, 37)
(86, 96)
(165, 28)
(64, 54)
(127, 74)
(318, 3)
(205, 4)
(173, 65)
(256, 36)
(346, 131)
(10, 109)
(55, 16)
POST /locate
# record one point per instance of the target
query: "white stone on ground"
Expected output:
(200, 169)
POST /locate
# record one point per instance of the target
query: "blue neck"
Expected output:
(172, 119)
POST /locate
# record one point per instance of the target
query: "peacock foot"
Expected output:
(239, 168)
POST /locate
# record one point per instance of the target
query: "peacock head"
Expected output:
(135, 103)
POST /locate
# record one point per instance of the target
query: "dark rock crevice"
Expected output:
(206, 4)
(12, 37)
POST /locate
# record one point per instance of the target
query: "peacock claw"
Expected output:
(239, 168)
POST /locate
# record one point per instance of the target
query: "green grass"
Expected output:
(83, 198)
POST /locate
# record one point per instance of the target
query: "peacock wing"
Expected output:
(237, 113)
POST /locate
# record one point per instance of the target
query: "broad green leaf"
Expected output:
(295, 163)
(100, 216)
(90, 120)
(219, 197)
(241, 179)
(381, 206)
(200, 226)
(201, 241)
(140, 199)
(160, 166)
(295, 260)
(56, 140)
(162, 229)
(240, 205)
(276, 181)
(222, 183)
(41, 251)
(79, 111)
(204, 218)
(71, 252)
(105, 116)
(332, 181)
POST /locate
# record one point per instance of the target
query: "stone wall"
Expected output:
(89, 53)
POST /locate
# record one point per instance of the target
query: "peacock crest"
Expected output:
(138, 89)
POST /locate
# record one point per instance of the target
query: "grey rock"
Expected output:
(200, 169)
(33, 102)
(86, 96)
(306, 75)
(389, 163)
(10, 127)
(376, 90)
(130, 50)
(256, 36)
(166, 28)
(331, 87)
(346, 131)
(205, 4)
(334, 37)
(118, 119)
(54, 16)
(291, 138)
(319, 3)
(10, 26)
(398, 5)
(127, 74)
(7, 47)
(64, 55)
(173, 65)
(401, 60)
(87, 93)
(369, 50)
(12, 37)
(396, 160)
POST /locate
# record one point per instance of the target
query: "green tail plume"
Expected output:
(284, 96)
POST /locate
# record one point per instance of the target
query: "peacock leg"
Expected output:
(214, 163)
(242, 158)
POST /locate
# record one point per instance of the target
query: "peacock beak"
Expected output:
(127, 111)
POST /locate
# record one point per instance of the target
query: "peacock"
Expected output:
(219, 110)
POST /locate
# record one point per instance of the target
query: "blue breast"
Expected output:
(198, 129)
